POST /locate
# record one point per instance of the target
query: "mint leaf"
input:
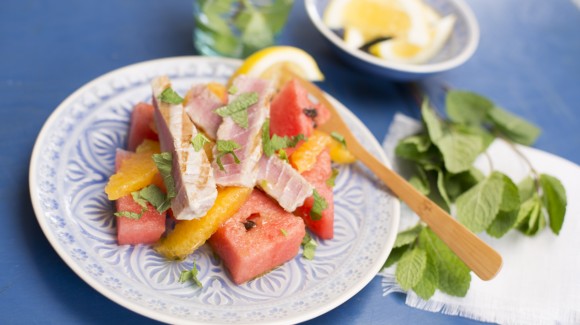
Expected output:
(527, 188)
(283, 155)
(338, 137)
(318, 206)
(503, 222)
(426, 287)
(459, 150)
(156, 197)
(433, 123)
(199, 141)
(233, 90)
(331, 181)
(420, 181)
(467, 107)
(170, 96)
(457, 184)
(513, 127)
(554, 199)
(190, 275)
(477, 207)
(509, 207)
(164, 163)
(411, 267)
(454, 275)
(395, 256)
(128, 214)
(441, 187)
(408, 236)
(139, 200)
(225, 147)
(529, 215)
(271, 145)
(284, 232)
(237, 109)
(309, 247)
(418, 148)
(256, 34)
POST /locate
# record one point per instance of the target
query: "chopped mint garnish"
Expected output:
(225, 147)
(171, 97)
(237, 110)
(271, 145)
(128, 214)
(338, 137)
(284, 232)
(190, 275)
(233, 90)
(318, 206)
(282, 155)
(309, 247)
(164, 163)
(331, 181)
(154, 195)
(199, 141)
(139, 200)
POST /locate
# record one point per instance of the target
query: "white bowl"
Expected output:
(460, 46)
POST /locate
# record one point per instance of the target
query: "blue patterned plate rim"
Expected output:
(73, 157)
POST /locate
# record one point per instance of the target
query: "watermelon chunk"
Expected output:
(141, 126)
(317, 177)
(258, 238)
(146, 230)
(292, 112)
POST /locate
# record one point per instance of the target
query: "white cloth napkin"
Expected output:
(540, 279)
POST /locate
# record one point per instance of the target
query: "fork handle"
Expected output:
(481, 258)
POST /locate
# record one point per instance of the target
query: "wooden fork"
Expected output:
(483, 260)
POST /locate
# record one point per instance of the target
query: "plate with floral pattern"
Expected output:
(74, 156)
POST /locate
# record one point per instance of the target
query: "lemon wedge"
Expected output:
(269, 62)
(403, 51)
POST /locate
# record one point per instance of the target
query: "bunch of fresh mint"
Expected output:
(442, 158)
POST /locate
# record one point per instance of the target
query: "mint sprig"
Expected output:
(441, 159)
(276, 143)
(226, 147)
(237, 109)
(170, 96)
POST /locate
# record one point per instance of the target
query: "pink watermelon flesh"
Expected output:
(274, 239)
(292, 112)
(317, 177)
(141, 126)
(149, 228)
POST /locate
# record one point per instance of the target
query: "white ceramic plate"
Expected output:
(74, 156)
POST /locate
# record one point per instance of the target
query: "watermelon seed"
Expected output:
(310, 112)
(249, 224)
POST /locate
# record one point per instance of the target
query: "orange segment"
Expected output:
(189, 235)
(219, 90)
(135, 172)
(149, 146)
(339, 153)
(304, 157)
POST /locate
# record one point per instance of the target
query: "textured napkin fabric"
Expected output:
(540, 279)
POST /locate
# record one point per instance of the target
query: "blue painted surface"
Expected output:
(528, 61)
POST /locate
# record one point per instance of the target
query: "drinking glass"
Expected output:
(238, 28)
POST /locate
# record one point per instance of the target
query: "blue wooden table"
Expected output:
(528, 61)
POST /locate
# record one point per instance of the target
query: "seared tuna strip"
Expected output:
(282, 182)
(248, 137)
(200, 105)
(194, 180)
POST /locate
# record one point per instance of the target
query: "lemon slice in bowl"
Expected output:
(403, 51)
(272, 61)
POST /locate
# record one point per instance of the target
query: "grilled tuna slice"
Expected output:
(243, 172)
(201, 106)
(282, 182)
(194, 180)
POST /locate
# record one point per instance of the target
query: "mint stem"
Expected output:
(533, 171)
